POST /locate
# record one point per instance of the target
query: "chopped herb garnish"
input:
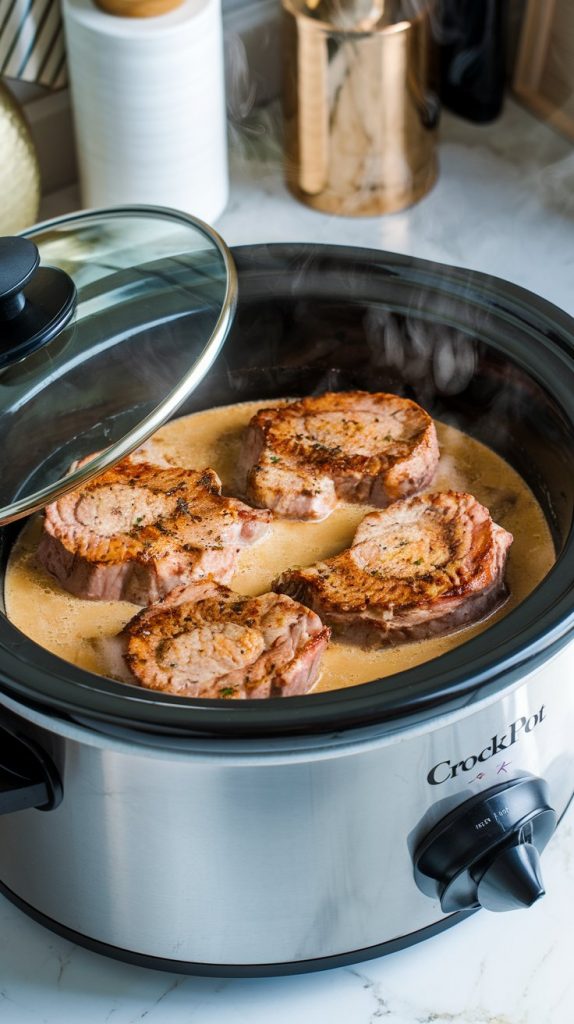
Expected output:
(418, 561)
(227, 691)
(274, 458)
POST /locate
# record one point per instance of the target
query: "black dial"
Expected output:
(486, 852)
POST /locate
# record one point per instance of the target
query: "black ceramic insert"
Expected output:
(477, 352)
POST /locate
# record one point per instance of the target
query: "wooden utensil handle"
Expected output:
(138, 8)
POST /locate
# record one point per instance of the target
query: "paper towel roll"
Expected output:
(149, 106)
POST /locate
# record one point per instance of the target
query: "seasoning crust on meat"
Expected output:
(301, 457)
(141, 529)
(419, 568)
(204, 640)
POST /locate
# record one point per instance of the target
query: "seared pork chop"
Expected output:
(141, 529)
(204, 640)
(300, 457)
(419, 568)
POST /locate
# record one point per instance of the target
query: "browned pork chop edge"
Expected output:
(204, 640)
(420, 568)
(301, 457)
(141, 529)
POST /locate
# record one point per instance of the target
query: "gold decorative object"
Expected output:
(19, 170)
(138, 8)
(360, 120)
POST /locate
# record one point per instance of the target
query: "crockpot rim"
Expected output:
(25, 666)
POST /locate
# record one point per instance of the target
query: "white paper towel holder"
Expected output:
(148, 97)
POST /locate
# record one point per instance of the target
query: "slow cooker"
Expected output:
(281, 835)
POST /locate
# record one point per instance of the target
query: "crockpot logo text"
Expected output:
(445, 770)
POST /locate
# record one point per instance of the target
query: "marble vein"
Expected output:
(374, 989)
(171, 988)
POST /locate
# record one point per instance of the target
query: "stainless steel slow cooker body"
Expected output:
(269, 836)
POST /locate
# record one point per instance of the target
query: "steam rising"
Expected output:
(372, 15)
(432, 359)
(241, 88)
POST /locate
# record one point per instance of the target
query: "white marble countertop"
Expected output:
(504, 204)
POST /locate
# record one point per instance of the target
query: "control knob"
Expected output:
(486, 852)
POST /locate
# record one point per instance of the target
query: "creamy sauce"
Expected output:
(67, 626)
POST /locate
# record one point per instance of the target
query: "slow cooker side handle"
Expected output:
(27, 776)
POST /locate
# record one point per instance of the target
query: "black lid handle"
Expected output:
(36, 302)
(19, 261)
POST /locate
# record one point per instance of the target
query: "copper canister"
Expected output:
(360, 117)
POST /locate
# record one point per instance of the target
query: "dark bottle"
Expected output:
(472, 44)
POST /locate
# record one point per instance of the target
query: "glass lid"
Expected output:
(109, 319)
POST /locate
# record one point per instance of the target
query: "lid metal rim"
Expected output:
(116, 452)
